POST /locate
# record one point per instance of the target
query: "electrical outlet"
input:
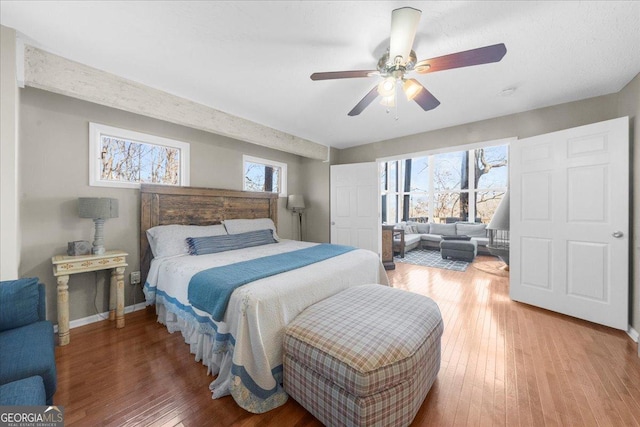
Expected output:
(135, 277)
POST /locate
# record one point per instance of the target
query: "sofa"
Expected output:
(429, 235)
(27, 348)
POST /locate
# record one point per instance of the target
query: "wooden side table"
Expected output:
(64, 266)
(387, 247)
(399, 232)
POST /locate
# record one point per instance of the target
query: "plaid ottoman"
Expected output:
(364, 357)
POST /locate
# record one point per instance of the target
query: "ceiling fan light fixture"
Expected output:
(388, 101)
(387, 87)
(411, 88)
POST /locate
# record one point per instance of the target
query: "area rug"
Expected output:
(492, 267)
(431, 258)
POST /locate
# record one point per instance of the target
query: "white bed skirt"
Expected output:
(201, 344)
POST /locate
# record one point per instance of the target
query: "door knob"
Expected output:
(617, 234)
(333, 223)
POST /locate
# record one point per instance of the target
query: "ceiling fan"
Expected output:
(400, 59)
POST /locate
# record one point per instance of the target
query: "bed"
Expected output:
(242, 346)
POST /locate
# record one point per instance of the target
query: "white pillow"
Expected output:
(171, 240)
(237, 226)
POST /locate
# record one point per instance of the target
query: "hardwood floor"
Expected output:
(503, 363)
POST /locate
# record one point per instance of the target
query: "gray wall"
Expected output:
(54, 172)
(315, 179)
(531, 123)
(520, 125)
(629, 105)
(9, 117)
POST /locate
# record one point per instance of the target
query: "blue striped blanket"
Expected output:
(210, 290)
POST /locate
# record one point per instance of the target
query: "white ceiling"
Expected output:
(253, 59)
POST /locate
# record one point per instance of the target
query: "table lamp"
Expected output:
(98, 209)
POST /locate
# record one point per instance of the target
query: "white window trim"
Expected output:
(282, 166)
(96, 130)
(449, 149)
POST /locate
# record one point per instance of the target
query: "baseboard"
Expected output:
(100, 316)
(633, 334)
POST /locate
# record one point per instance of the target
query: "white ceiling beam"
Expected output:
(44, 70)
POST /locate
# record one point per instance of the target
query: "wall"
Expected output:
(316, 182)
(531, 123)
(54, 172)
(522, 125)
(317, 192)
(629, 105)
(9, 184)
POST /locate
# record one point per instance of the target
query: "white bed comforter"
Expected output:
(245, 349)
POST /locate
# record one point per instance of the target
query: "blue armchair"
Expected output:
(27, 349)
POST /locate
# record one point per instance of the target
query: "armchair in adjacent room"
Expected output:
(27, 348)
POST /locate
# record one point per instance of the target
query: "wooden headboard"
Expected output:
(163, 205)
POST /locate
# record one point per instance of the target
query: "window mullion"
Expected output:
(406, 189)
(268, 179)
(472, 186)
(432, 187)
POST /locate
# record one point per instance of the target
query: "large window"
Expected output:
(491, 174)
(124, 158)
(265, 175)
(448, 187)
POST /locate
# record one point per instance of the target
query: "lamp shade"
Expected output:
(387, 87)
(389, 101)
(295, 202)
(97, 207)
(500, 220)
(411, 88)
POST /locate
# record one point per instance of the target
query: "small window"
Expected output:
(264, 175)
(124, 158)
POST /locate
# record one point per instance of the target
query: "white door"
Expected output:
(570, 222)
(355, 219)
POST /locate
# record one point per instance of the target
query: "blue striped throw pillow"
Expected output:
(229, 242)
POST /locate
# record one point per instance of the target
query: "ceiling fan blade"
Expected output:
(425, 99)
(404, 24)
(364, 102)
(344, 74)
(481, 55)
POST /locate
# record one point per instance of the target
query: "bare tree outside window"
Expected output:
(123, 158)
(451, 184)
(491, 179)
(263, 177)
(131, 161)
(418, 190)
(253, 177)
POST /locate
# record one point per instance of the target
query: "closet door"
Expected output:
(355, 218)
